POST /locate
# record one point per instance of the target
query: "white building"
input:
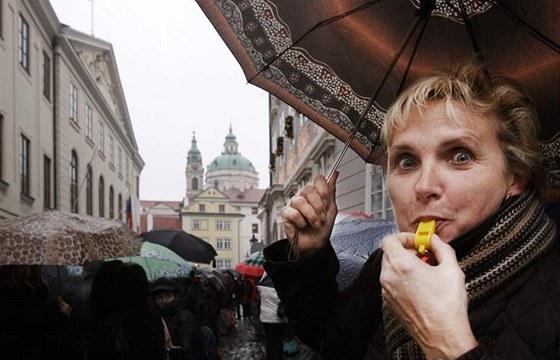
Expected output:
(67, 140)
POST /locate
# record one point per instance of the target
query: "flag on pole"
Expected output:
(129, 213)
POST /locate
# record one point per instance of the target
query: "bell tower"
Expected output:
(194, 171)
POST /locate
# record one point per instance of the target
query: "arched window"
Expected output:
(111, 202)
(195, 183)
(74, 182)
(89, 190)
(119, 210)
(101, 197)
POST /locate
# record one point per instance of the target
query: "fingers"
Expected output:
(443, 252)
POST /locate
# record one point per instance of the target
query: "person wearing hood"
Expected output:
(125, 326)
(171, 300)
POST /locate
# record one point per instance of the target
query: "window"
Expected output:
(119, 208)
(201, 208)
(195, 183)
(127, 170)
(254, 210)
(196, 224)
(111, 202)
(222, 208)
(222, 263)
(223, 243)
(74, 182)
(119, 164)
(46, 182)
(111, 150)
(101, 197)
(101, 139)
(24, 160)
(223, 225)
(255, 228)
(89, 122)
(89, 190)
(46, 76)
(73, 103)
(381, 207)
(23, 43)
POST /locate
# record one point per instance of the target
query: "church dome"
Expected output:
(231, 162)
(231, 159)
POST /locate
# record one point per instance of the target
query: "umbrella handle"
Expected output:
(293, 250)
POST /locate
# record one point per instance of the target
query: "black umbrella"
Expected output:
(354, 238)
(188, 246)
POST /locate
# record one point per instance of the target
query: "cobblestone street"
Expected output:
(239, 346)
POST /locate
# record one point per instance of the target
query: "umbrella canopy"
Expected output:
(252, 266)
(60, 238)
(341, 63)
(159, 262)
(354, 238)
(188, 246)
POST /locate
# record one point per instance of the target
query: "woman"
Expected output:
(461, 150)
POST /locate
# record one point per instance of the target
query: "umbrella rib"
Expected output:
(421, 14)
(530, 29)
(315, 27)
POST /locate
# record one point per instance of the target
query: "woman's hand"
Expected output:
(429, 301)
(311, 213)
(63, 306)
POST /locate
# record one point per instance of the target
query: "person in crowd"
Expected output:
(77, 293)
(238, 294)
(186, 331)
(272, 318)
(32, 327)
(462, 150)
(125, 326)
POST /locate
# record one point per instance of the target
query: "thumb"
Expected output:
(332, 183)
(442, 251)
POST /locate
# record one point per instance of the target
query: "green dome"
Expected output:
(231, 159)
(231, 162)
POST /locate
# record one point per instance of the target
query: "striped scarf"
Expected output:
(517, 237)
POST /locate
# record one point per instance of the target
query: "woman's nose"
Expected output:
(428, 185)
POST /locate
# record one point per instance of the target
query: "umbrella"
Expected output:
(342, 62)
(188, 246)
(159, 262)
(354, 238)
(252, 266)
(60, 238)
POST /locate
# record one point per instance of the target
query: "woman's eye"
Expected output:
(462, 157)
(406, 163)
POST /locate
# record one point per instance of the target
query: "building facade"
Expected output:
(160, 215)
(67, 142)
(222, 205)
(299, 151)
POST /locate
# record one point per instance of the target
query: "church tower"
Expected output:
(194, 171)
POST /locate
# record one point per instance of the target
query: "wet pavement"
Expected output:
(238, 345)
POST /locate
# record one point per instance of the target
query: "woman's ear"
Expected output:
(517, 184)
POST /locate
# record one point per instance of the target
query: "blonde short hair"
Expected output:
(498, 97)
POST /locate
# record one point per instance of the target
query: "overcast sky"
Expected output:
(178, 76)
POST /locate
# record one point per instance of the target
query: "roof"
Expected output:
(148, 204)
(231, 162)
(249, 195)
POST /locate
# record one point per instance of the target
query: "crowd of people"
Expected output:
(111, 311)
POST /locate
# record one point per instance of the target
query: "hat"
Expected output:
(162, 286)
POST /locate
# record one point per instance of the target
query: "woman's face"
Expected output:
(452, 171)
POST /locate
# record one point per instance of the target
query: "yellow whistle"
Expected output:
(423, 235)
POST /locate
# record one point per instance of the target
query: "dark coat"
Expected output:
(32, 328)
(183, 324)
(125, 326)
(521, 321)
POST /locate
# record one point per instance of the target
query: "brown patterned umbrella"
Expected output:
(60, 238)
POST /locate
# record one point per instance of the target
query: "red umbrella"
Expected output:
(252, 266)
